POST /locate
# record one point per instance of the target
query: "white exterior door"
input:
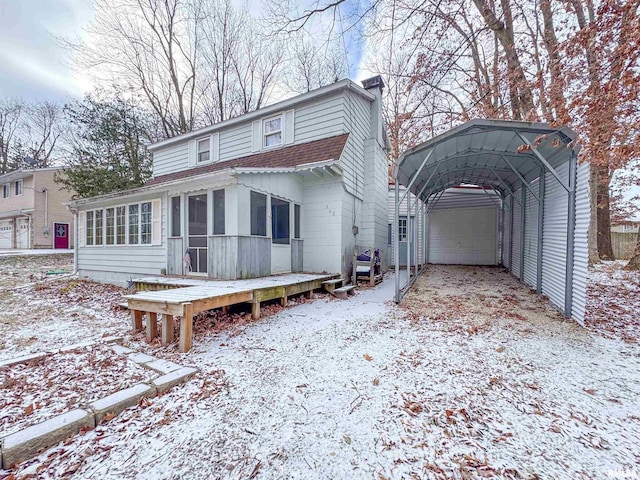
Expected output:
(23, 236)
(463, 236)
(6, 234)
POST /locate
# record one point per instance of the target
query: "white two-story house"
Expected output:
(290, 187)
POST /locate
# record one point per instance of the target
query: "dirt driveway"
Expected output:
(472, 377)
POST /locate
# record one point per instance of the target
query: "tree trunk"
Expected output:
(605, 249)
(634, 263)
(592, 239)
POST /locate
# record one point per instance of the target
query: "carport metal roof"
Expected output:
(485, 152)
(502, 154)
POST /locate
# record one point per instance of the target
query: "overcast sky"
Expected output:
(32, 63)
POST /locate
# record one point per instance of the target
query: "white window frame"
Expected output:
(266, 134)
(403, 225)
(198, 152)
(6, 190)
(21, 183)
(115, 208)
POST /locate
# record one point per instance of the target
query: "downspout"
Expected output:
(46, 210)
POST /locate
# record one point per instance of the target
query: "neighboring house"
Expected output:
(290, 187)
(32, 214)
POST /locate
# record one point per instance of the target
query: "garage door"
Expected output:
(23, 234)
(463, 236)
(6, 234)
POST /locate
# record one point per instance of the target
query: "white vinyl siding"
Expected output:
(171, 159)
(357, 120)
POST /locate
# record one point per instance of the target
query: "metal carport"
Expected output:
(544, 213)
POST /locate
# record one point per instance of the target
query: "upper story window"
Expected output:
(272, 131)
(6, 190)
(204, 150)
(19, 187)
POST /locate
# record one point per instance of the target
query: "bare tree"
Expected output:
(239, 63)
(41, 130)
(11, 111)
(314, 65)
(153, 45)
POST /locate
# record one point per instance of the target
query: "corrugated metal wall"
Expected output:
(517, 232)
(554, 244)
(531, 236)
(580, 253)
(554, 241)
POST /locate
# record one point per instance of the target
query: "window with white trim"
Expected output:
(19, 187)
(6, 190)
(204, 150)
(89, 230)
(258, 213)
(296, 221)
(110, 226)
(99, 226)
(121, 225)
(145, 223)
(133, 224)
(402, 229)
(272, 131)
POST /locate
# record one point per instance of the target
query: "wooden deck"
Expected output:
(184, 297)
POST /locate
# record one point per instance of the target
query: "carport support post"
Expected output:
(415, 243)
(541, 186)
(396, 240)
(409, 239)
(523, 212)
(571, 224)
(501, 230)
(511, 205)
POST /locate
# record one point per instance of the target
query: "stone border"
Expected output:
(40, 355)
(29, 442)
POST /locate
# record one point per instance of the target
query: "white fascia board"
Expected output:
(268, 110)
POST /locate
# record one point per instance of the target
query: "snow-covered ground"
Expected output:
(467, 380)
(41, 389)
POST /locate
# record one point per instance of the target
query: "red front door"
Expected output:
(61, 231)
